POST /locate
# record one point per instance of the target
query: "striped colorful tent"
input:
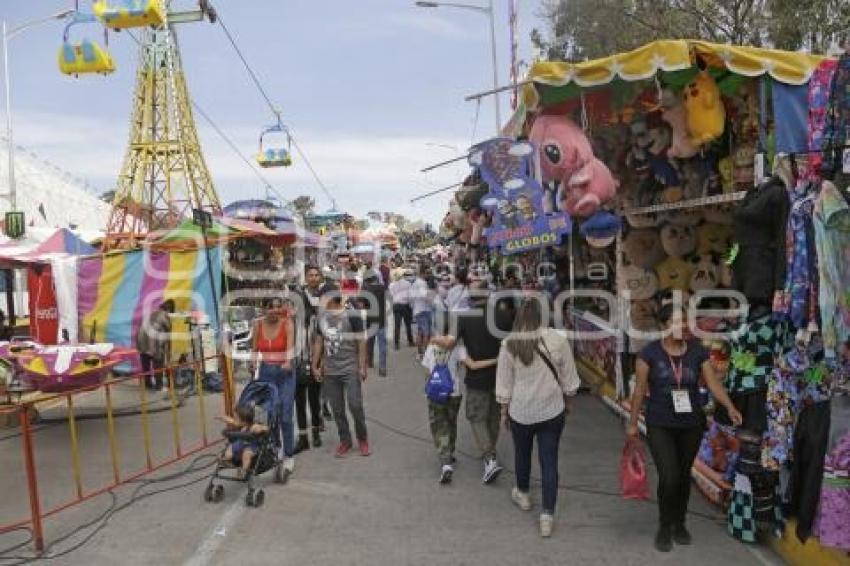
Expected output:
(117, 290)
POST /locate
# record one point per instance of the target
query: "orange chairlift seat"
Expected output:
(87, 56)
(275, 155)
(123, 14)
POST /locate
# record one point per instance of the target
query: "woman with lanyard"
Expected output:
(669, 370)
(273, 347)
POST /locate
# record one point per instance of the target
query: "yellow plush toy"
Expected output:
(706, 115)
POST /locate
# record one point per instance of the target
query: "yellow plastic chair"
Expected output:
(123, 14)
(276, 156)
(87, 56)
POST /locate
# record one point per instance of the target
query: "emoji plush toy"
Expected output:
(643, 248)
(674, 273)
(674, 114)
(704, 275)
(566, 156)
(678, 241)
(714, 238)
(640, 283)
(704, 108)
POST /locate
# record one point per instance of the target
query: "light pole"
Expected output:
(490, 11)
(8, 34)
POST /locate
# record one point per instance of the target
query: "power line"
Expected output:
(274, 109)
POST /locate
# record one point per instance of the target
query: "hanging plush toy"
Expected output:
(674, 274)
(714, 238)
(678, 241)
(704, 276)
(566, 156)
(640, 284)
(705, 112)
(682, 146)
(643, 248)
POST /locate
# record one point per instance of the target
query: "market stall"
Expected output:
(712, 175)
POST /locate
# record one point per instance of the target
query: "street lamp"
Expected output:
(8, 34)
(489, 10)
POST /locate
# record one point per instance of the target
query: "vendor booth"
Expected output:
(715, 175)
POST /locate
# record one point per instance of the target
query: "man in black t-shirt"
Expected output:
(482, 410)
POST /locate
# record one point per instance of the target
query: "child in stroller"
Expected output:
(253, 443)
(240, 451)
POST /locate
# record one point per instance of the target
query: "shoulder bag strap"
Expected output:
(548, 363)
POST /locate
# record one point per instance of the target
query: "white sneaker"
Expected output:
(546, 522)
(446, 473)
(289, 465)
(522, 499)
(492, 469)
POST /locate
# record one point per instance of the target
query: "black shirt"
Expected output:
(659, 407)
(375, 292)
(480, 345)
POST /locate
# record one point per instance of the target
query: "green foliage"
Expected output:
(586, 29)
(304, 205)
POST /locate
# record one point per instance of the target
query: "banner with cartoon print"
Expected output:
(524, 213)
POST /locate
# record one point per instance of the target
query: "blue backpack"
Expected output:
(440, 384)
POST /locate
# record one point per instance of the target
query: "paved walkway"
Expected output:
(389, 509)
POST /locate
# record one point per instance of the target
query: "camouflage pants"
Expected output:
(443, 420)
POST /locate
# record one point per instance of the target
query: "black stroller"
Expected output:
(263, 395)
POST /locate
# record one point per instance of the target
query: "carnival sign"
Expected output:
(524, 214)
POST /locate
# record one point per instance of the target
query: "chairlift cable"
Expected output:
(274, 109)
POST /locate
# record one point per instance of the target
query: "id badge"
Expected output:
(682, 401)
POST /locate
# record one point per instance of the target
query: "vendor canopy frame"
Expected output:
(552, 82)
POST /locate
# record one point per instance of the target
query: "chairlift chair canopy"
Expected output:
(85, 56)
(124, 14)
(275, 155)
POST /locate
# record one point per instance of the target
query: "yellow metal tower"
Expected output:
(164, 175)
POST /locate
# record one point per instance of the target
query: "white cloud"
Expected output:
(364, 172)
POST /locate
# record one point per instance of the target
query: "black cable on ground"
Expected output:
(536, 481)
(103, 519)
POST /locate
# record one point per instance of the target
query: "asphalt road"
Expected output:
(387, 509)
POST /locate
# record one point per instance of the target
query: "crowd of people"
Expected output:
(497, 350)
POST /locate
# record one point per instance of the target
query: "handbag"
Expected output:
(634, 481)
(554, 371)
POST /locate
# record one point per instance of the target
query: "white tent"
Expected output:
(50, 197)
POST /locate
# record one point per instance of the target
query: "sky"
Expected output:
(372, 89)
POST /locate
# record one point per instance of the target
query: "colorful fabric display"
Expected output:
(754, 348)
(818, 102)
(832, 238)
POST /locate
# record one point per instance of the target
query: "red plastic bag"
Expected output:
(633, 478)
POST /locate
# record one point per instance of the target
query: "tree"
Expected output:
(304, 205)
(583, 29)
(108, 196)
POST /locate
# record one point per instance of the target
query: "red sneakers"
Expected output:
(364, 448)
(342, 450)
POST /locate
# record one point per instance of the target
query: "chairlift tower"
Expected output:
(164, 175)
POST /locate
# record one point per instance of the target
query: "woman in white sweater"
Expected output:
(535, 376)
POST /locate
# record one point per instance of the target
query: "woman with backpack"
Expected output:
(535, 376)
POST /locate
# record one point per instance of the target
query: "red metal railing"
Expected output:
(26, 410)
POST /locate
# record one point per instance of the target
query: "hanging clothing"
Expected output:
(797, 301)
(834, 509)
(755, 347)
(790, 102)
(818, 102)
(810, 440)
(760, 221)
(836, 133)
(781, 419)
(832, 239)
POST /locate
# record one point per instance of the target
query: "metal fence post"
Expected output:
(32, 480)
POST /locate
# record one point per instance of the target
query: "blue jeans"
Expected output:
(381, 337)
(548, 435)
(423, 323)
(284, 379)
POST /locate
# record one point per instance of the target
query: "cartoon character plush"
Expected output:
(639, 283)
(638, 157)
(674, 273)
(566, 156)
(694, 180)
(704, 275)
(678, 241)
(682, 146)
(643, 248)
(714, 238)
(743, 170)
(726, 167)
(704, 109)
(643, 314)
(601, 229)
(638, 220)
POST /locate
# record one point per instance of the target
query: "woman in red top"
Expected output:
(274, 337)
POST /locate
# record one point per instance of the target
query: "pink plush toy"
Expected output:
(674, 114)
(566, 156)
(564, 148)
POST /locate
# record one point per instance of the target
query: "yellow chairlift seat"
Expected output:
(275, 156)
(86, 56)
(123, 14)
